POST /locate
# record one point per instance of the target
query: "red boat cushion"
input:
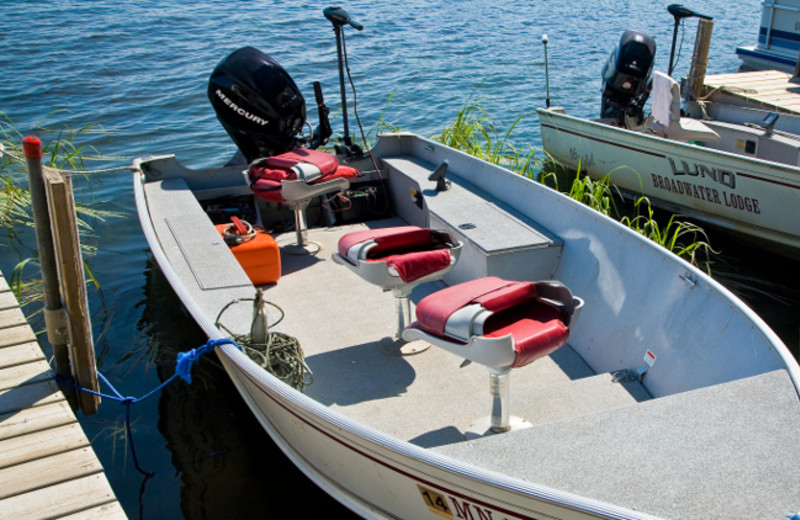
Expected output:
(411, 250)
(413, 266)
(266, 175)
(387, 240)
(433, 310)
(537, 328)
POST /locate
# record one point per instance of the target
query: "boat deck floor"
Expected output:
(592, 436)
(345, 326)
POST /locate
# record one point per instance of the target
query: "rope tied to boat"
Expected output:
(186, 360)
(183, 366)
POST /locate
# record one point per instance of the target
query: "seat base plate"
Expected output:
(401, 347)
(311, 248)
(483, 427)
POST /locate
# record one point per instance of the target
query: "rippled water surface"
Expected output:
(139, 69)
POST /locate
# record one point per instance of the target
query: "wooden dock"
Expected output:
(772, 89)
(47, 466)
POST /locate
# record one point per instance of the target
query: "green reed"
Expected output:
(62, 150)
(475, 133)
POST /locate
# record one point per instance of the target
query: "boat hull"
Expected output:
(378, 476)
(351, 448)
(778, 38)
(750, 196)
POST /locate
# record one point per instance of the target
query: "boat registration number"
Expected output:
(436, 502)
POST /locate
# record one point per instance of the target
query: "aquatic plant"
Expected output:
(477, 134)
(685, 239)
(61, 151)
(598, 194)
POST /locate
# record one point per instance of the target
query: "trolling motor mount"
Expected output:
(680, 12)
(339, 18)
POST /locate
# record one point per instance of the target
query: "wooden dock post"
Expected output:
(697, 71)
(64, 247)
(55, 316)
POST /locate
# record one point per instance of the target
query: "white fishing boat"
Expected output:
(778, 44)
(633, 387)
(735, 164)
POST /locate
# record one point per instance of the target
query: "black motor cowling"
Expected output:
(257, 102)
(626, 76)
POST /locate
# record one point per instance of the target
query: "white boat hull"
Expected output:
(778, 38)
(379, 476)
(367, 439)
(749, 196)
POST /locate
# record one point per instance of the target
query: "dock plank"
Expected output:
(36, 474)
(36, 418)
(65, 498)
(47, 466)
(43, 392)
(16, 335)
(18, 354)
(27, 373)
(37, 445)
(11, 318)
(775, 89)
(7, 300)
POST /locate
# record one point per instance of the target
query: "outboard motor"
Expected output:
(626, 76)
(257, 102)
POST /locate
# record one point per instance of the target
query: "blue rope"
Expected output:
(183, 367)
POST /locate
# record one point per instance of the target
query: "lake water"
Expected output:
(139, 69)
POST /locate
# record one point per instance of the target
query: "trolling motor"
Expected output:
(339, 18)
(680, 12)
(626, 77)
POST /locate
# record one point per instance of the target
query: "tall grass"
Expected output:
(477, 134)
(598, 194)
(685, 239)
(62, 150)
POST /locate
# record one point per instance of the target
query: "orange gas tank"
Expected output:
(259, 257)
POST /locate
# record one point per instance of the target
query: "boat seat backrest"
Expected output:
(398, 259)
(666, 113)
(499, 323)
(296, 177)
(403, 255)
(666, 99)
(272, 178)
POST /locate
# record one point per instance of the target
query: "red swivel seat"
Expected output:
(398, 259)
(500, 324)
(296, 177)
